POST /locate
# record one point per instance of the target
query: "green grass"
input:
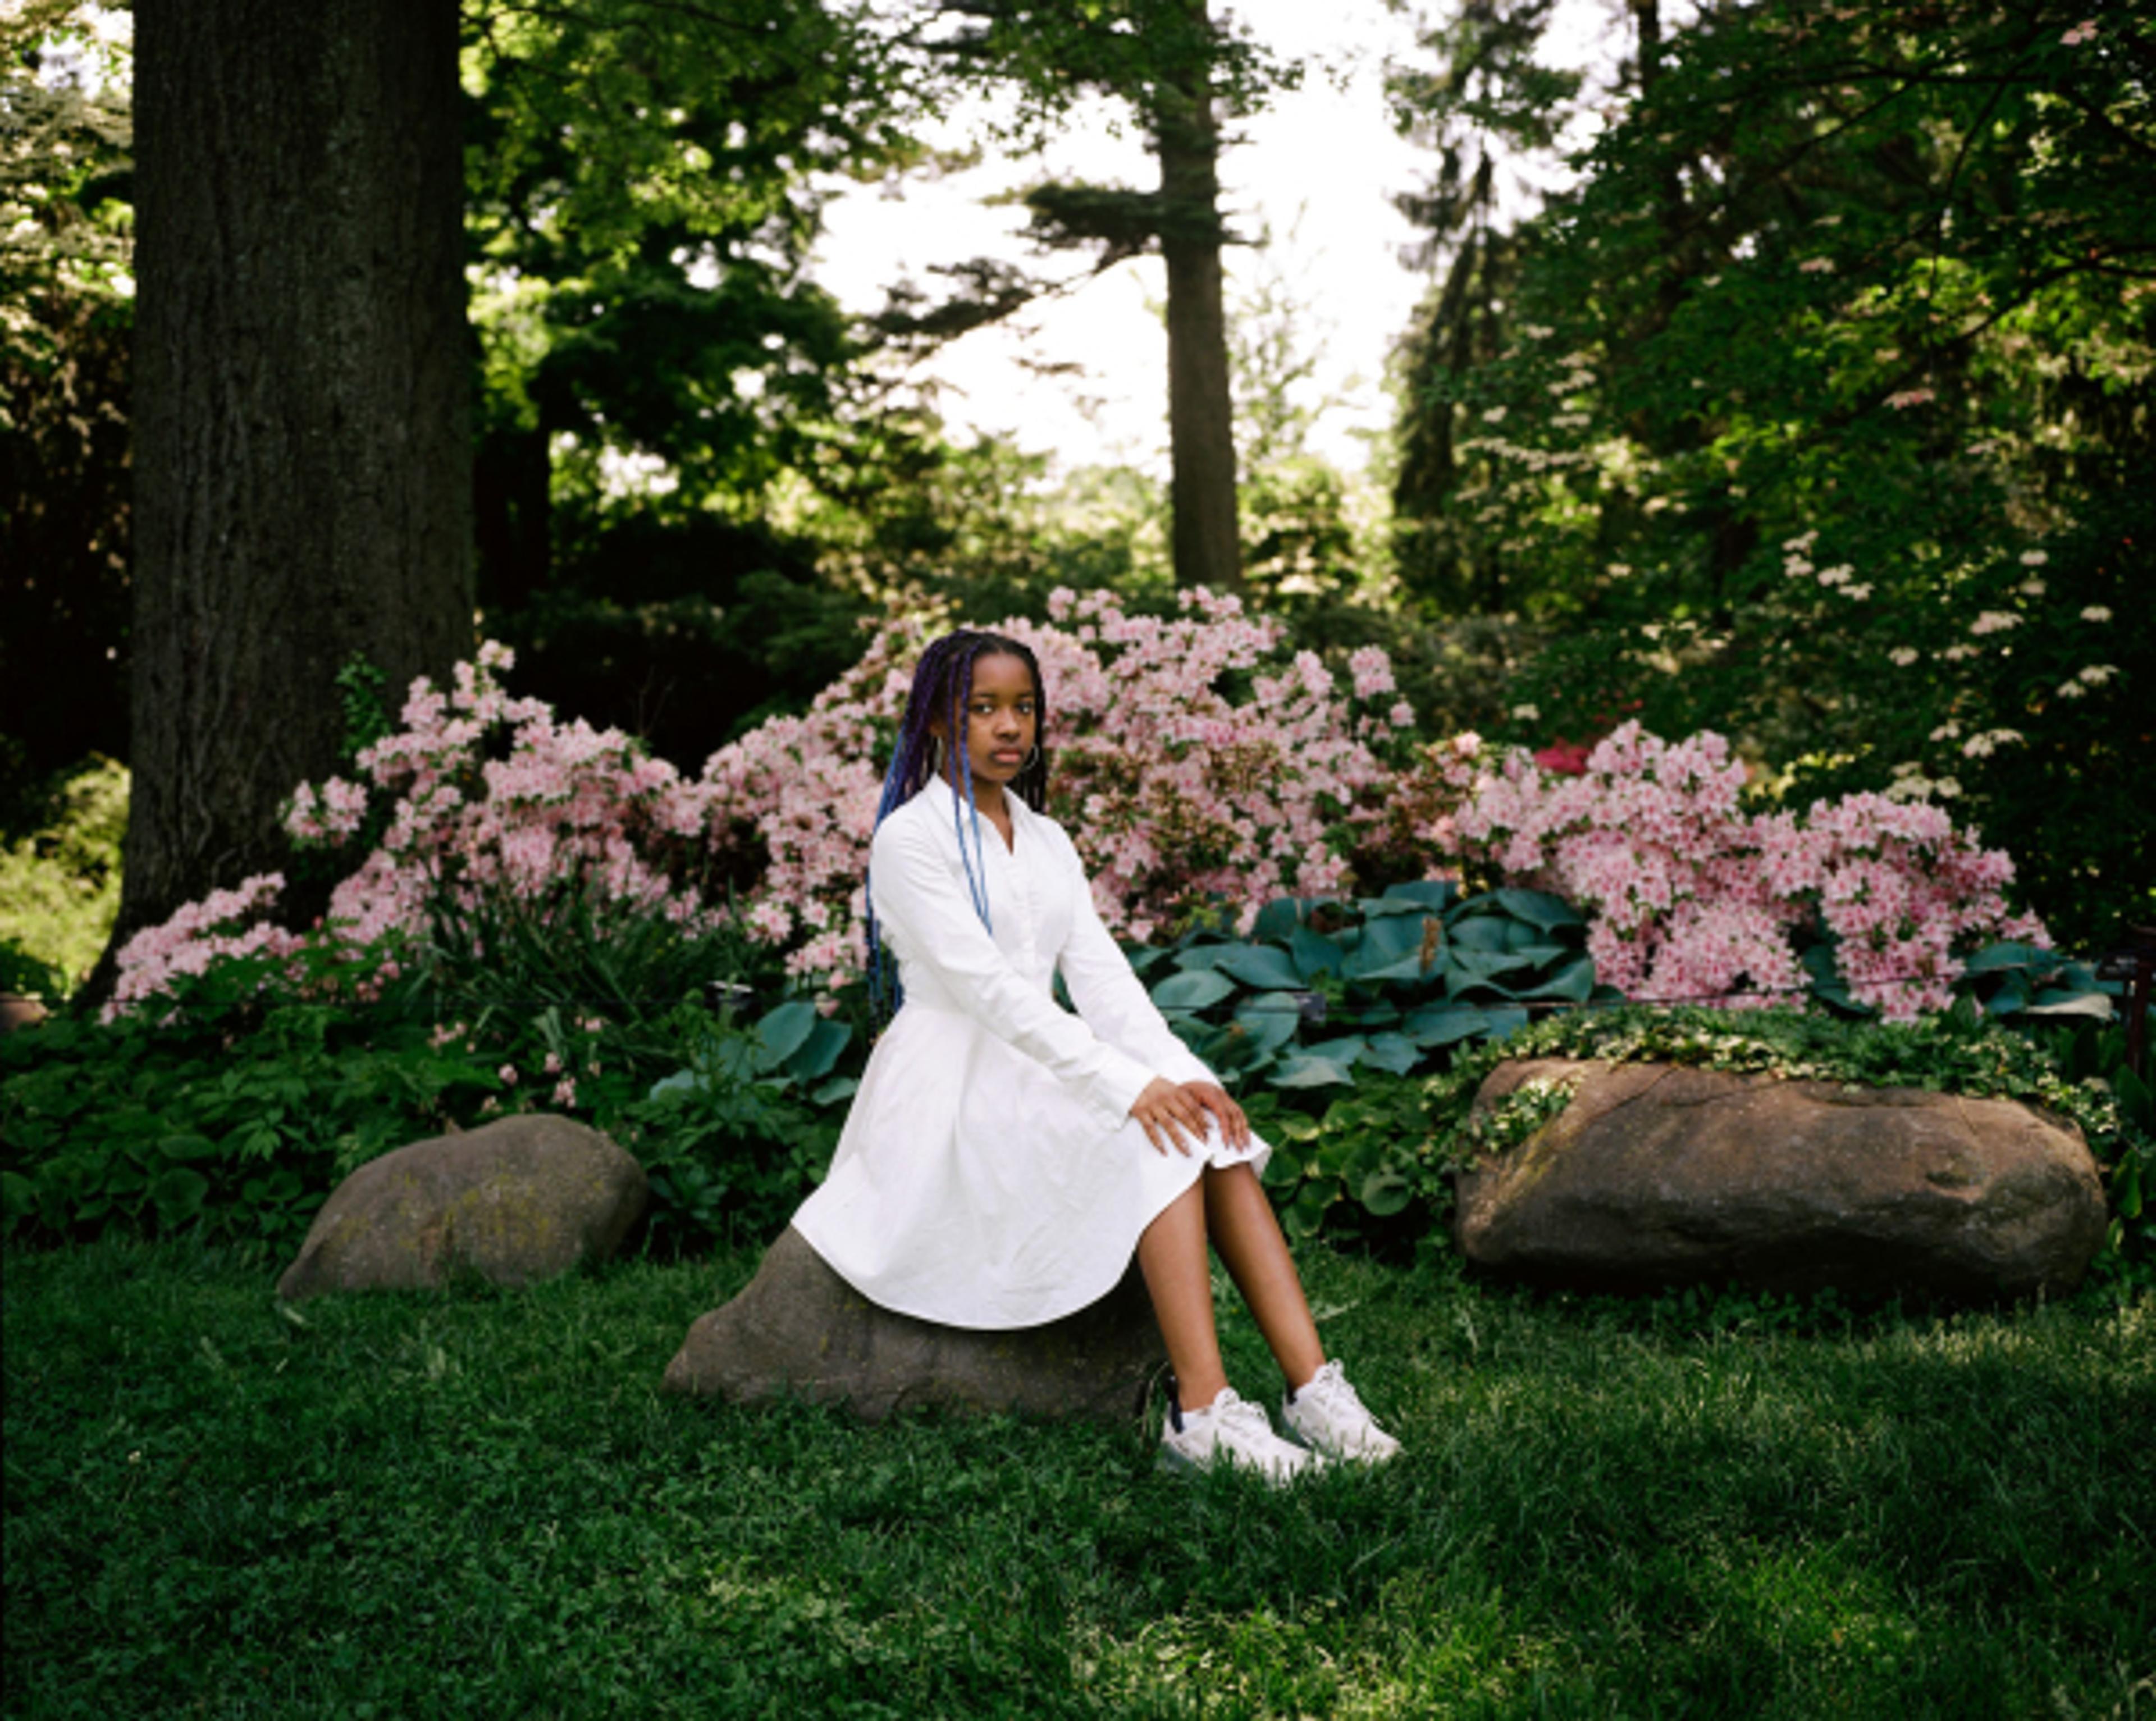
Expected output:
(480, 1504)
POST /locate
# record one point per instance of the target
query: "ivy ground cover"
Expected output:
(480, 1505)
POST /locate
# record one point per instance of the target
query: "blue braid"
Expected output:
(976, 877)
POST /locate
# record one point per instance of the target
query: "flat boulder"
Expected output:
(1658, 1174)
(512, 1202)
(798, 1328)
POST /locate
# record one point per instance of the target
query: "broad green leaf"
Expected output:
(1385, 1193)
(2006, 954)
(783, 1032)
(1316, 954)
(1262, 965)
(1432, 895)
(1284, 1167)
(1504, 1019)
(1277, 920)
(1193, 989)
(1388, 943)
(2136, 1102)
(820, 1051)
(2125, 1190)
(191, 1147)
(2010, 997)
(1575, 982)
(1395, 1052)
(1307, 1072)
(1482, 932)
(1268, 1025)
(1436, 1025)
(1539, 907)
(1343, 1049)
(1476, 967)
(1305, 1214)
(832, 1092)
(178, 1193)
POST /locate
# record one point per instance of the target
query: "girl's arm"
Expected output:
(1110, 996)
(932, 924)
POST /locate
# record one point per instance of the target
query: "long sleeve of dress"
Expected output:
(1111, 997)
(953, 963)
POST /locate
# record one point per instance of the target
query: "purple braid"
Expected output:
(943, 685)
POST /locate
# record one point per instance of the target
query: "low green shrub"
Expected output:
(59, 884)
(235, 1110)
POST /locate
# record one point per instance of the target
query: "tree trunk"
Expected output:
(1201, 412)
(302, 407)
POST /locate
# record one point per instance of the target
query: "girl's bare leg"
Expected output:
(1178, 1276)
(1239, 1218)
(1230, 1210)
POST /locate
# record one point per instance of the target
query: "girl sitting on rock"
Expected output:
(1003, 1157)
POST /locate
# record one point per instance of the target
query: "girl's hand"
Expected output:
(1234, 1127)
(1181, 1115)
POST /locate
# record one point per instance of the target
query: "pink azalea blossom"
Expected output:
(1692, 900)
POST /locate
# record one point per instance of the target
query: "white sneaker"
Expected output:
(1233, 1430)
(1325, 1415)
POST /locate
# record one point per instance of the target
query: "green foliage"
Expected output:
(234, 1110)
(476, 1505)
(736, 1140)
(59, 885)
(1340, 1169)
(66, 311)
(1417, 970)
(1817, 415)
(360, 686)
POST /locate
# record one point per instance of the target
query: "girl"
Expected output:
(1003, 1157)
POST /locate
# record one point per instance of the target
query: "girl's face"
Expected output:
(1003, 719)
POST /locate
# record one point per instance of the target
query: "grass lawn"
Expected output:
(480, 1504)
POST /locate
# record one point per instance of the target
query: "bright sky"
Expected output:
(1316, 171)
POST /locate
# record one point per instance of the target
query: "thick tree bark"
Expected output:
(1201, 412)
(302, 407)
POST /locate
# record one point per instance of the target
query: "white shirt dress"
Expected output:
(990, 1174)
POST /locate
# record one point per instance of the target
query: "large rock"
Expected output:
(1656, 1174)
(799, 1328)
(17, 1011)
(512, 1202)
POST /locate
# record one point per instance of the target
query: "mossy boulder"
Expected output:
(513, 1202)
(1659, 1175)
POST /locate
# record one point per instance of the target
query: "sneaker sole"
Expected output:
(1333, 1455)
(1171, 1462)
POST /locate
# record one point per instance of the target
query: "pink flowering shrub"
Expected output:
(223, 923)
(1693, 899)
(1194, 755)
(492, 805)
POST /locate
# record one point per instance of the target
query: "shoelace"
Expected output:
(1332, 1389)
(1240, 1413)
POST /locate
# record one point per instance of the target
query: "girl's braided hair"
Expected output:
(943, 687)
